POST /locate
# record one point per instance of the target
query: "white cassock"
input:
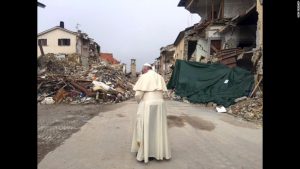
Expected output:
(150, 135)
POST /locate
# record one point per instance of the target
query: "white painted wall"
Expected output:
(201, 49)
(52, 42)
(211, 32)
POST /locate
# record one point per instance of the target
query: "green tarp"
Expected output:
(203, 83)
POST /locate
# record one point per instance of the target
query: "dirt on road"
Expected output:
(196, 122)
(56, 123)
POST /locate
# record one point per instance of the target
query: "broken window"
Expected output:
(191, 48)
(43, 42)
(215, 46)
(63, 42)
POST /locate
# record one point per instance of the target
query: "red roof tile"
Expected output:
(109, 58)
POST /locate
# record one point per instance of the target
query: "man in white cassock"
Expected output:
(150, 135)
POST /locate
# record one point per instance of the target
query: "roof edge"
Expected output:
(56, 27)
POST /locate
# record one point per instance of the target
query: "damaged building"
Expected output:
(230, 32)
(166, 59)
(61, 42)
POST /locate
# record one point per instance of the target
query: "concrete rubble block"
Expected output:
(185, 100)
(211, 104)
(221, 109)
(48, 100)
(249, 115)
(240, 99)
(229, 111)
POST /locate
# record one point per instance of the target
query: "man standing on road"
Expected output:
(150, 137)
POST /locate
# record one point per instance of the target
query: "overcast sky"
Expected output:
(127, 28)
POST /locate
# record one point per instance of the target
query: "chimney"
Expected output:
(61, 24)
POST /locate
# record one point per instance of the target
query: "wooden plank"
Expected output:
(222, 6)
(212, 10)
(228, 61)
(188, 6)
(232, 65)
(256, 87)
(230, 50)
(219, 12)
(39, 86)
(226, 55)
(81, 88)
(41, 48)
(229, 56)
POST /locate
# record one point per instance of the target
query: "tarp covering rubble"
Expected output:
(67, 81)
(203, 83)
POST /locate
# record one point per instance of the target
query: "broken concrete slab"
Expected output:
(240, 99)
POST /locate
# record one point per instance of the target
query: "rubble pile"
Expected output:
(168, 76)
(250, 109)
(171, 93)
(66, 81)
(93, 59)
(173, 96)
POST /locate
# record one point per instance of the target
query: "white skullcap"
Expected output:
(147, 64)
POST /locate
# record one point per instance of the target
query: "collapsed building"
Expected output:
(63, 42)
(164, 63)
(72, 70)
(230, 32)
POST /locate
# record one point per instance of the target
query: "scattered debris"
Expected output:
(221, 109)
(240, 99)
(168, 75)
(250, 109)
(185, 100)
(65, 80)
(211, 104)
(173, 96)
(48, 100)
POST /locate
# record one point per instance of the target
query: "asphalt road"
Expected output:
(200, 138)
